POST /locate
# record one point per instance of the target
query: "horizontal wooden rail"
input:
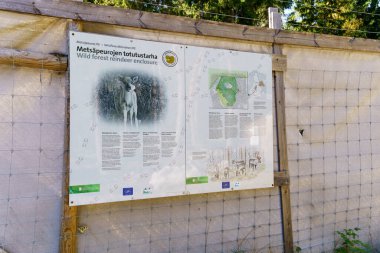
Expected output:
(32, 59)
(59, 63)
(281, 178)
(279, 62)
(146, 20)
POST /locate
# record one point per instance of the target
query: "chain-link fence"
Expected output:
(332, 113)
(333, 142)
(31, 150)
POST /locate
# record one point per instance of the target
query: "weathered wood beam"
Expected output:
(69, 224)
(281, 178)
(279, 62)
(146, 20)
(59, 63)
(32, 59)
(282, 151)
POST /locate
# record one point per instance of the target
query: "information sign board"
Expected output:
(151, 119)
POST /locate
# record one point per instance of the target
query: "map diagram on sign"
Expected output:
(256, 87)
(228, 89)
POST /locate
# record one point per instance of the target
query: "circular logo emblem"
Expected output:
(170, 58)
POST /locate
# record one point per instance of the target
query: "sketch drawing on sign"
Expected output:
(235, 164)
(256, 85)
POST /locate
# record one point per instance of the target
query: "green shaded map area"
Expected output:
(227, 89)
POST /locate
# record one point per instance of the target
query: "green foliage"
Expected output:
(297, 249)
(356, 18)
(351, 242)
(249, 12)
(344, 17)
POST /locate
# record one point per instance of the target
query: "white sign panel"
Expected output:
(150, 119)
(229, 139)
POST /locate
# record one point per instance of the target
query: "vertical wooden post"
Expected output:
(278, 78)
(68, 242)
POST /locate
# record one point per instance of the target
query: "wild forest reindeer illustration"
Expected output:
(253, 163)
(130, 104)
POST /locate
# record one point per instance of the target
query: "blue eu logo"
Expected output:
(225, 185)
(127, 191)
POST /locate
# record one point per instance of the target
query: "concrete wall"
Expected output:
(335, 170)
(334, 96)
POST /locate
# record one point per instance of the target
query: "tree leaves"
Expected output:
(356, 18)
(252, 12)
